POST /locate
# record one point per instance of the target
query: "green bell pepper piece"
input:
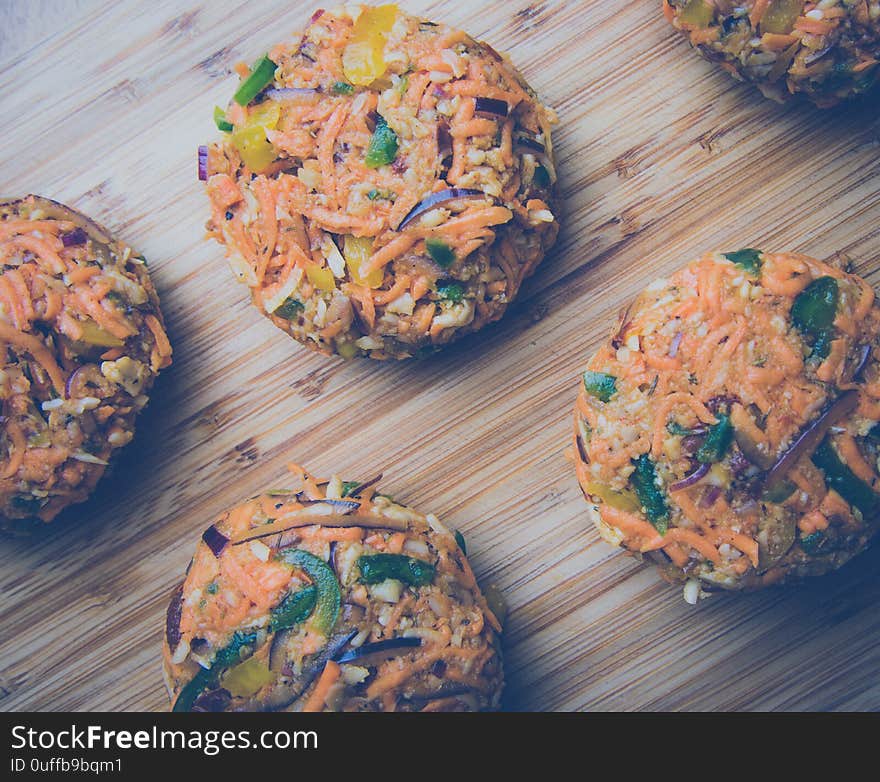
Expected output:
(383, 146)
(220, 120)
(814, 310)
(208, 678)
(289, 309)
(442, 253)
(451, 291)
(844, 481)
(376, 568)
(644, 482)
(748, 259)
(261, 76)
(717, 441)
(328, 598)
(293, 609)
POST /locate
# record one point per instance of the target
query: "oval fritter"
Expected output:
(384, 184)
(334, 597)
(729, 430)
(82, 341)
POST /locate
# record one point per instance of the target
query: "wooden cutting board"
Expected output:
(661, 157)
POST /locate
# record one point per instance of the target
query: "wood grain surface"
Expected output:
(661, 157)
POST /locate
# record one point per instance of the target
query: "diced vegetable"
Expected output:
(748, 259)
(357, 251)
(363, 59)
(328, 598)
(250, 139)
(376, 568)
(814, 310)
(220, 120)
(383, 146)
(342, 88)
(289, 309)
(621, 500)
(381, 195)
(844, 481)
(451, 291)
(717, 441)
(697, 13)
(781, 16)
(600, 385)
(645, 482)
(321, 277)
(93, 334)
(203, 163)
(442, 254)
(248, 678)
(262, 74)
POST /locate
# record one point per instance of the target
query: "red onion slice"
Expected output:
(203, 163)
(674, 345)
(439, 198)
(215, 540)
(172, 618)
(379, 648)
(861, 363)
(809, 439)
(491, 107)
(76, 237)
(289, 93)
(343, 506)
(528, 144)
(710, 496)
(689, 480)
(365, 485)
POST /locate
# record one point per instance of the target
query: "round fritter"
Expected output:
(82, 340)
(331, 598)
(385, 183)
(729, 427)
(827, 51)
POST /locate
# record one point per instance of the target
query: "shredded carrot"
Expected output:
(329, 677)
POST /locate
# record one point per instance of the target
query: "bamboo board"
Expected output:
(661, 157)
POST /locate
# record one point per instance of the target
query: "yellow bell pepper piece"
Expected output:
(621, 500)
(697, 13)
(347, 349)
(248, 678)
(363, 60)
(357, 251)
(781, 16)
(250, 139)
(321, 277)
(93, 334)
